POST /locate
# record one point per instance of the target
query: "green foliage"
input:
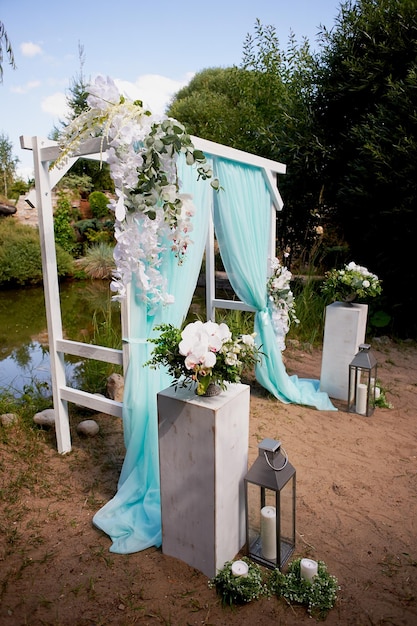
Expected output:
(8, 162)
(98, 262)
(92, 375)
(238, 589)
(5, 41)
(97, 173)
(64, 233)
(263, 107)
(310, 311)
(381, 402)
(20, 255)
(79, 184)
(165, 351)
(94, 232)
(77, 97)
(365, 107)
(83, 226)
(239, 322)
(226, 105)
(233, 354)
(319, 596)
(100, 236)
(18, 188)
(353, 281)
(99, 204)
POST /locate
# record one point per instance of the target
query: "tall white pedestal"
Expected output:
(203, 457)
(344, 331)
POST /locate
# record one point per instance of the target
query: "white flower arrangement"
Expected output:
(354, 281)
(203, 353)
(149, 209)
(281, 301)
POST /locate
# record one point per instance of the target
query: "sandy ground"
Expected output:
(356, 510)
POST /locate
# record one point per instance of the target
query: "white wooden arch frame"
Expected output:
(46, 151)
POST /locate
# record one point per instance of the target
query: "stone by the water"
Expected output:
(115, 387)
(88, 428)
(8, 419)
(45, 418)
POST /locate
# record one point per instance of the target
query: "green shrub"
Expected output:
(79, 185)
(98, 262)
(20, 255)
(64, 233)
(65, 262)
(100, 237)
(98, 204)
(85, 225)
(91, 375)
(310, 307)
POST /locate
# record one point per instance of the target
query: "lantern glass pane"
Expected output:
(287, 520)
(261, 512)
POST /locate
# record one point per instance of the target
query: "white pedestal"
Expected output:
(344, 331)
(203, 458)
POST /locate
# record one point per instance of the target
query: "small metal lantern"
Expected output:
(270, 506)
(362, 382)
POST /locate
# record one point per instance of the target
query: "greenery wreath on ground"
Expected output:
(319, 596)
(239, 589)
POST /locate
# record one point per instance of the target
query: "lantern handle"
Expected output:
(276, 469)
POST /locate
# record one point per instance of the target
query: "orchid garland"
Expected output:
(281, 301)
(151, 213)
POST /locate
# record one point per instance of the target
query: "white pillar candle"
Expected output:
(377, 393)
(269, 533)
(361, 396)
(240, 568)
(308, 569)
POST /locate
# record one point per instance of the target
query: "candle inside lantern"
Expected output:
(240, 568)
(308, 569)
(269, 532)
(361, 397)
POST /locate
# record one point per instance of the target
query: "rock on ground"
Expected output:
(45, 418)
(88, 428)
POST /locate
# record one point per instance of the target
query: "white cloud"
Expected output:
(32, 84)
(25, 172)
(154, 90)
(56, 105)
(30, 49)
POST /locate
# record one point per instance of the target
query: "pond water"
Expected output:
(85, 307)
(24, 354)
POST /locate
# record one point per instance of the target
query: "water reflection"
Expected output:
(24, 354)
(16, 374)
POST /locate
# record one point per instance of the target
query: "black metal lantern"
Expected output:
(270, 506)
(362, 382)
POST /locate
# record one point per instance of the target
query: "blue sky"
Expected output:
(150, 48)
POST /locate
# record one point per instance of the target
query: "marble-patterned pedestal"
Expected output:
(344, 331)
(203, 458)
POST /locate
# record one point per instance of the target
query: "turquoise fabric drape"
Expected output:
(132, 518)
(241, 220)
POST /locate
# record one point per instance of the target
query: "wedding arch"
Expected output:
(242, 215)
(46, 151)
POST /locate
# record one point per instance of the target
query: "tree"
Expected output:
(8, 164)
(98, 173)
(77, 98)
(263, 107)
(4, 41)
(366, 107)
